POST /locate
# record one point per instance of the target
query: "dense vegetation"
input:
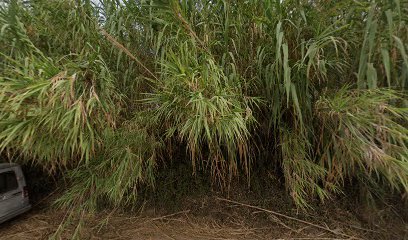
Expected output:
(106, 92)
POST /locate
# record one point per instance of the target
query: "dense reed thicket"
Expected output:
(103, 91)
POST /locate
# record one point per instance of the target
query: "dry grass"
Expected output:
(214, 219)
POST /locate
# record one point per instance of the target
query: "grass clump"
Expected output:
(105, 92)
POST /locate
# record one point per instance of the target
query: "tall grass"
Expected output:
(101, 92)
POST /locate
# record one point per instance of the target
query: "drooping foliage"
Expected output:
(102, 91)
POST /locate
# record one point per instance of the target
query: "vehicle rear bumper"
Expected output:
(15, 213)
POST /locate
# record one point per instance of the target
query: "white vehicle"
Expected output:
(13, 192)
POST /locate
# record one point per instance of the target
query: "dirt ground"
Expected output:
(209, 218)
